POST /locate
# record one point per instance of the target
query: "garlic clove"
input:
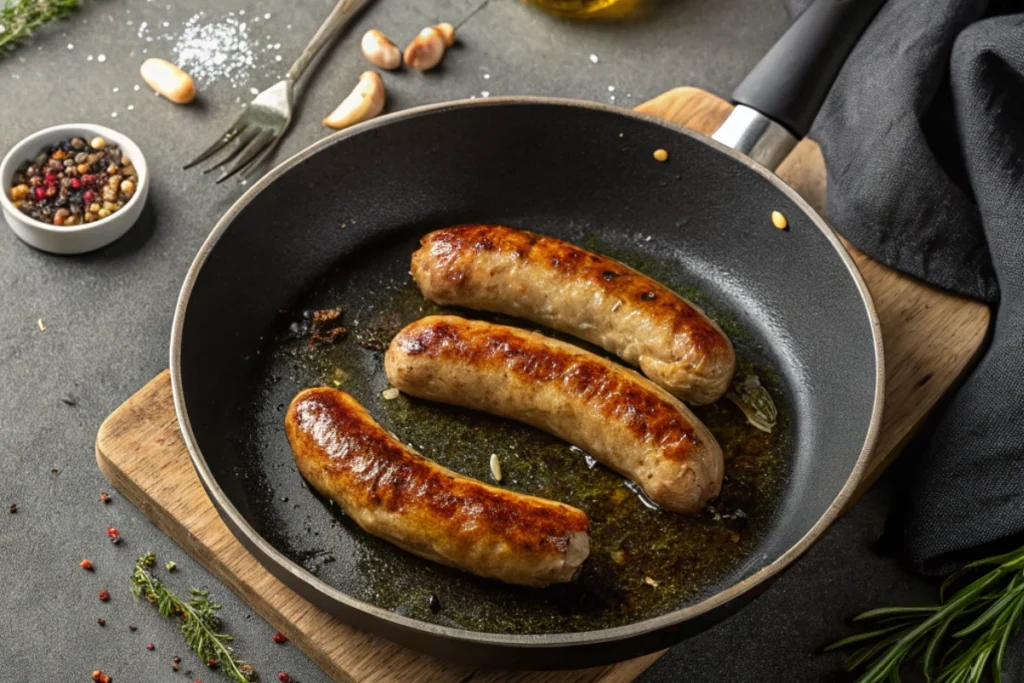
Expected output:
(364, 102)
(168, 80)
(447, 32)
(426, 50)
(380, 51)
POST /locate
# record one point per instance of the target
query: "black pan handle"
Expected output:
(789, 84)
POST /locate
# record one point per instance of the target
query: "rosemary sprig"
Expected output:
(957, 641)
(199, 622)
(19, 18)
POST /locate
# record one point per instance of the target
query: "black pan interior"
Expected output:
(337, 228)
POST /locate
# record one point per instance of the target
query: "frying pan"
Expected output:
(336, 225)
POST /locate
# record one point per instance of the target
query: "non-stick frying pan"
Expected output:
(336, 225)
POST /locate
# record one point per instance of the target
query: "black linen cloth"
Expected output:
(923, 137)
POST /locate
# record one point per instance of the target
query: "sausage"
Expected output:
(622, 419)
(557, 284)
(395, 493)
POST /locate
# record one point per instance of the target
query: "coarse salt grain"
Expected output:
(101, 58)
(215, 51)
(594, 59)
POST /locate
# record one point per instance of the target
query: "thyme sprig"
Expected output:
(957, 641)
(19, 18)
(199, 622)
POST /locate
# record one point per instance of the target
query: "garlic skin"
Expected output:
(364, 102)
(426, 50)
(380, 51)
(447, 32)
(168, 80)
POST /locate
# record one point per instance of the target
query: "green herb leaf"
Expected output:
(971, 627)
(199, 622)
(20, 18)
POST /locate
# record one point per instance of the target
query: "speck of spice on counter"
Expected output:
(660, 155)
(13, 508)
(104, 595)
(279, 638)
(74, 182)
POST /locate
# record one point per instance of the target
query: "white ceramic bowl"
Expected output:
(75, 239)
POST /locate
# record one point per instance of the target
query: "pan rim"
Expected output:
(239, 525)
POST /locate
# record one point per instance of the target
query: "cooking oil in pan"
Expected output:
(643, 562)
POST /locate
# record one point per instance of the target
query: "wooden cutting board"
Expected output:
(930, 338)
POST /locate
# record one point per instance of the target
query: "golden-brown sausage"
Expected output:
(554, 283)
(620, 418)
(393, 492)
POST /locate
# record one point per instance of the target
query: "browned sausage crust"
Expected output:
(393, 492)
(554, 283)
(620, 418)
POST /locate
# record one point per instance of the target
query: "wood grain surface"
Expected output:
(930, 338)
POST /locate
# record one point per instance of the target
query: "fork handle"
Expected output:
(335, 21)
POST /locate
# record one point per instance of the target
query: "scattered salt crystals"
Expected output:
(142, 29)
(487, 77)
(277, 46)
(594, 59)
(71, 46)
(485, 93)
(16, 77)
(277, 58)
(611, 98)
(113, 114)
(136, 88)
(89, 58)
(101, 58)
(117, 90)
(289, 27)
(166, 24)
(131, 107)
(241, 12)
(611, 88)
(254, 91)
(267, 15)
(216, 51)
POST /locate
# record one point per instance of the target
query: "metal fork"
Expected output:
(264, 122)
